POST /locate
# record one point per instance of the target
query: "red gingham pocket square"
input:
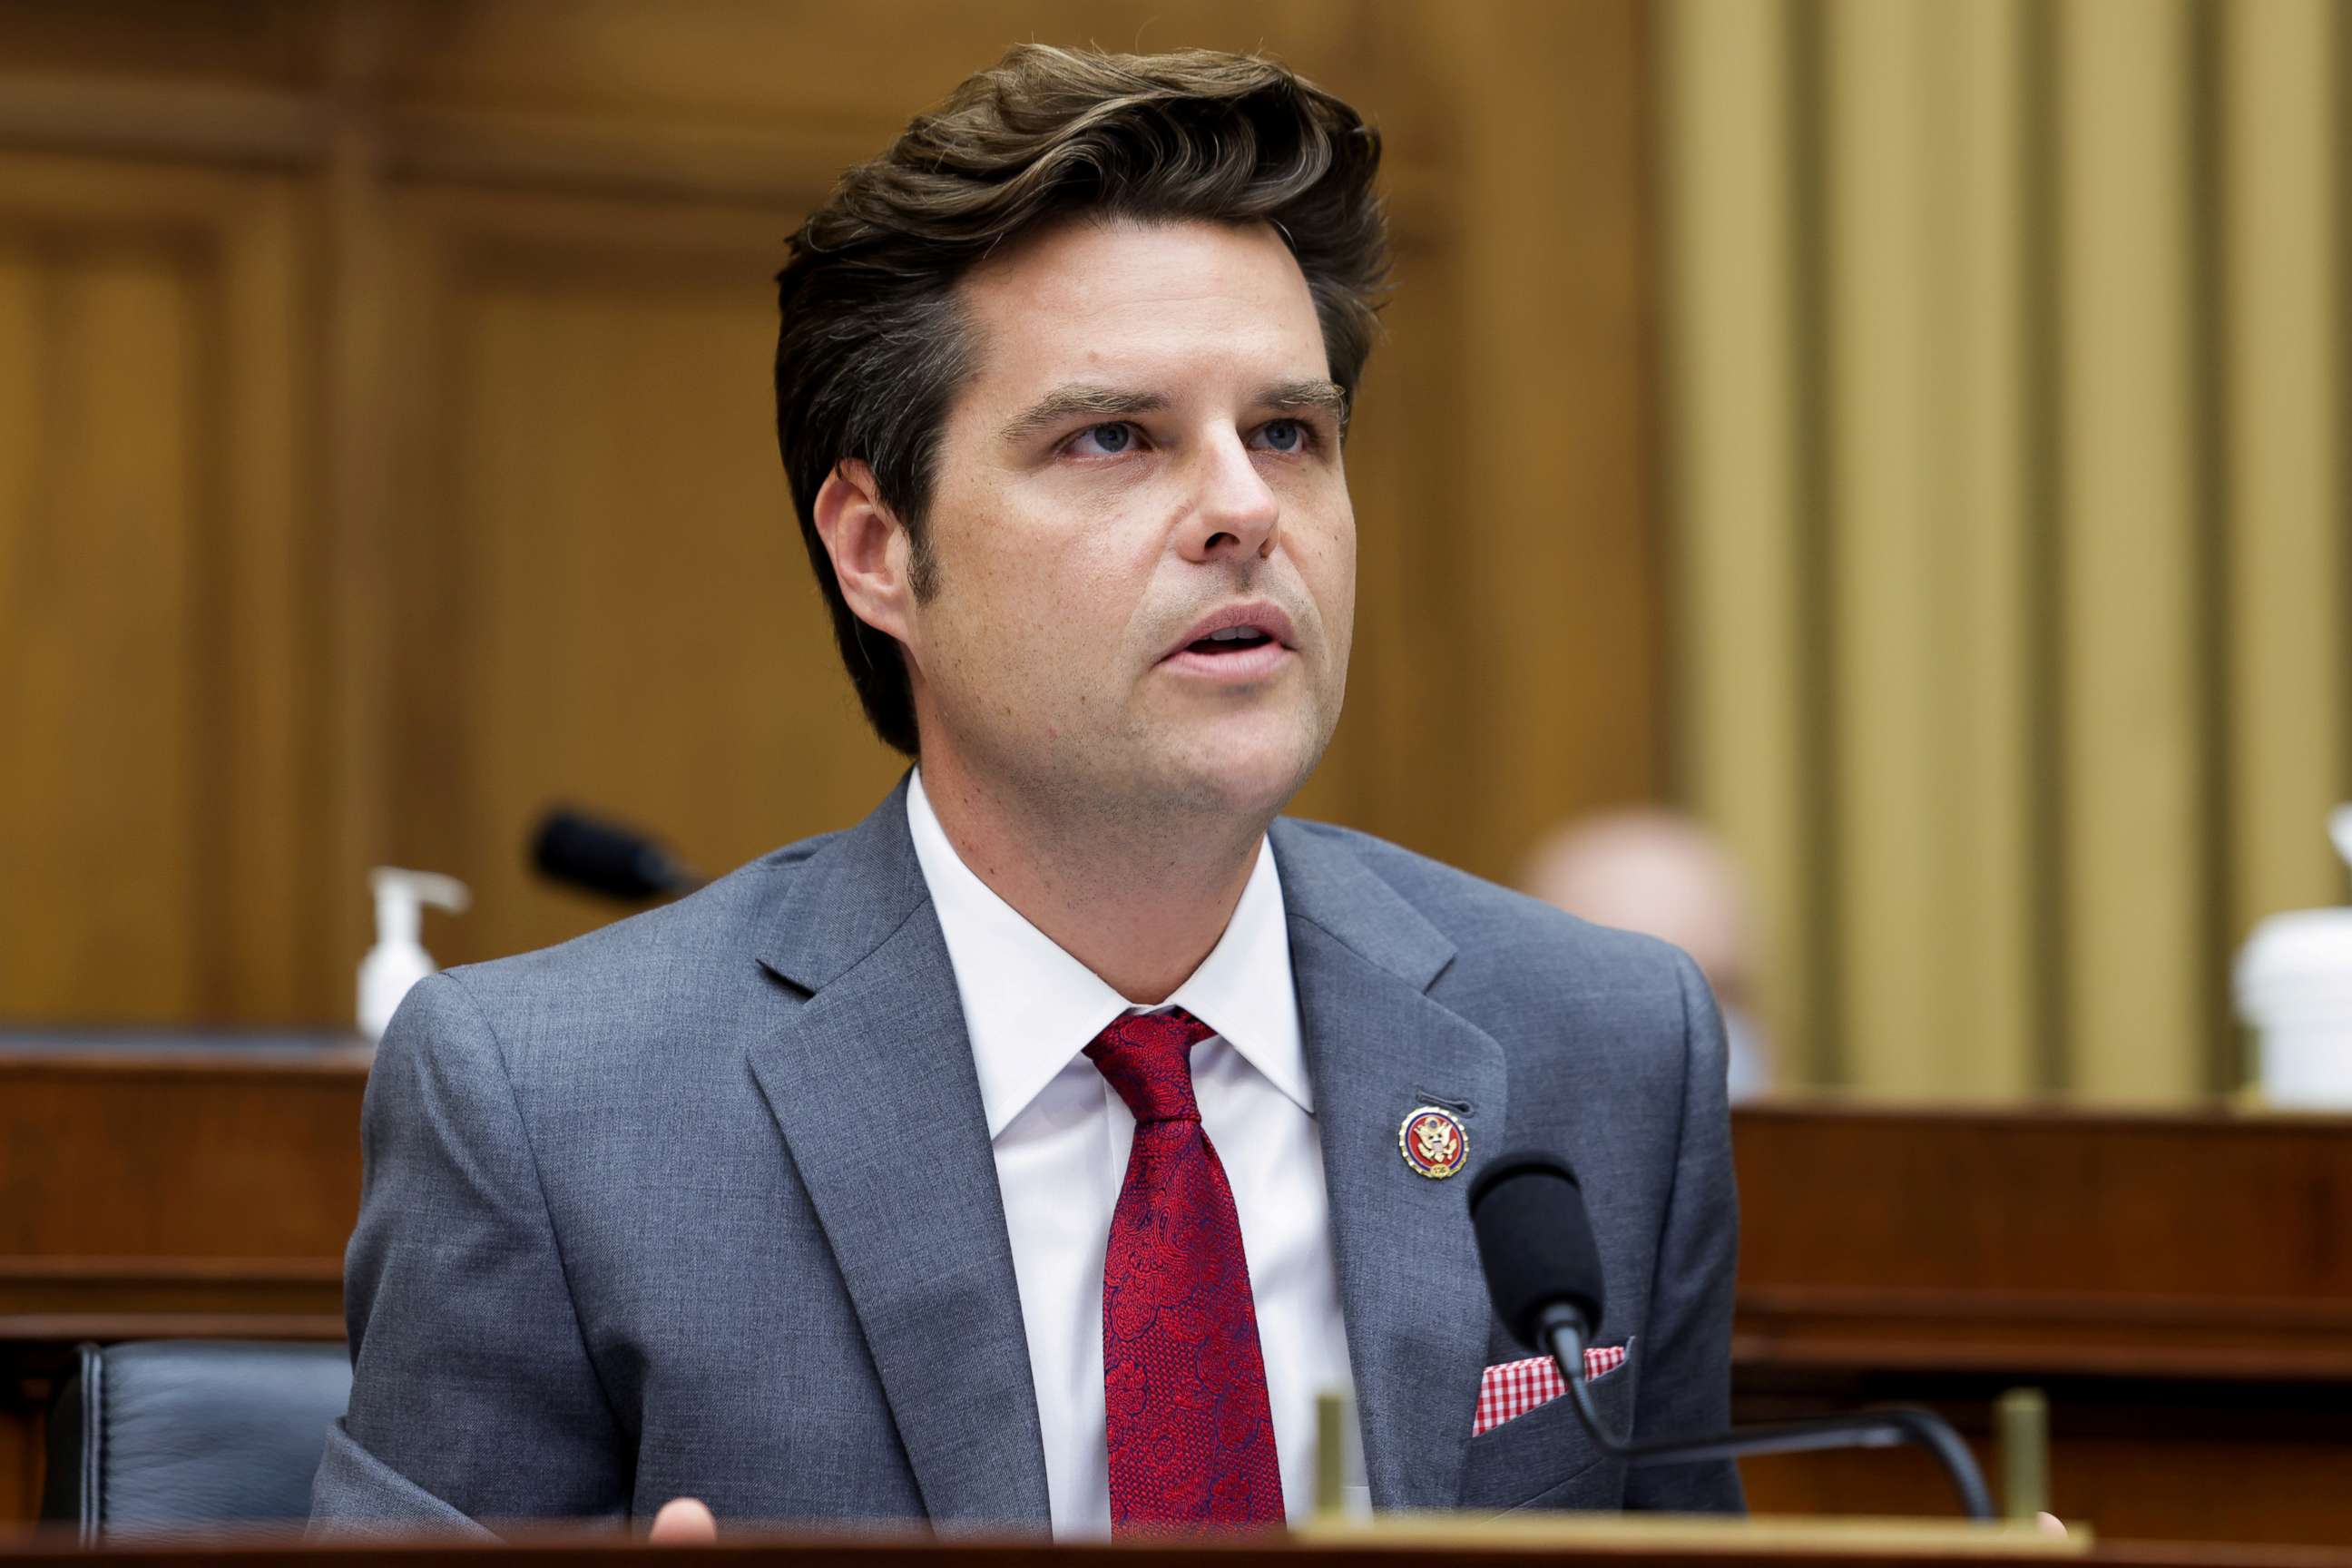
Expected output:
(1509, 1390)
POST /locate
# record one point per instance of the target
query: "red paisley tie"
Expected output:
(1191, 1434)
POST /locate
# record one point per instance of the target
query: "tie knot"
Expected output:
(1148, 1057)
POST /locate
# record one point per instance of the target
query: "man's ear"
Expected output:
(869, 548)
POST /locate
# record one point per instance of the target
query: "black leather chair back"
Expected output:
(174, 1434)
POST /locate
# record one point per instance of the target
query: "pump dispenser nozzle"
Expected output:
(398, 959)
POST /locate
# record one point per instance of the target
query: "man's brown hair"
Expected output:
(873, 347)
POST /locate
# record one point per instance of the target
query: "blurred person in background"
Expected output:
(1034, 1154)
(1663, 874)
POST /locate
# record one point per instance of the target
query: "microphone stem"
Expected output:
(1889, 1428)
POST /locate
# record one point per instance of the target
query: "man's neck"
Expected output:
(1140, 909)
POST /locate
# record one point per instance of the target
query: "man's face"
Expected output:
(1150, 446)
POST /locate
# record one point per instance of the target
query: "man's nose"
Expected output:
(1234, 514)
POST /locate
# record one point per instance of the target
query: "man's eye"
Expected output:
(1104, 440)
(1285, 435)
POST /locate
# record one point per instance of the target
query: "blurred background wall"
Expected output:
(2005, 456)
(1903, 433)
(386, 450)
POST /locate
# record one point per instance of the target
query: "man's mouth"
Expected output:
(1237, 647)
(1244, 635)
(1242, 654)
(1230, 640)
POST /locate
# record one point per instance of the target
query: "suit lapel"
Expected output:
(1412, 1294)
(873, 1086)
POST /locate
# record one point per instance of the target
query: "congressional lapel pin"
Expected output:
(1433, 1142)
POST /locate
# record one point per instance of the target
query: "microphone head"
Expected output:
(1535, 1242)
(603, 858)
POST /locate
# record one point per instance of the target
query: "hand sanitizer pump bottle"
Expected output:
(398, 960)
(2293, 987)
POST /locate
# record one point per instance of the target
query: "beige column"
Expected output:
(2133, 812)
(1926, 315)
(2286, 698)
(1732, 428)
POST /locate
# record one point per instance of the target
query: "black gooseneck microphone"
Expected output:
(607, 857)
(1543, 1270)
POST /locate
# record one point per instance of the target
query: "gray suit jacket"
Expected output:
(703, 1205)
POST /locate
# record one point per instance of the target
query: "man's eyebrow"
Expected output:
(1080, 401)
(1327, 395)
(1071, 401)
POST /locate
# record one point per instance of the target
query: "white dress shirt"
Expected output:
(1061, 1135)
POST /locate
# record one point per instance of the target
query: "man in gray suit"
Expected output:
(1032, 1154)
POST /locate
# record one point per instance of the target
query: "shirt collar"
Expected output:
(1030, 1007)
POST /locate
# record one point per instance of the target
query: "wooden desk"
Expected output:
(2193, 1246)
(2182, 1285)
(157, 1188)
(196, 1190)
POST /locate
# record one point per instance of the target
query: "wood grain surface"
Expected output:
(386, 452)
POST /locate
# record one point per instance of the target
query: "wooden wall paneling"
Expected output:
(358, 374)
(259, 628)
(99, 691)
(1559, 650)
(232, 46)
(805, 64)
(151, 690)
(1504, 696)
(741, 100)
(1403, 696)
(603, 594)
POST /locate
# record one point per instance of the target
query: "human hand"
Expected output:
(683, 1522)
